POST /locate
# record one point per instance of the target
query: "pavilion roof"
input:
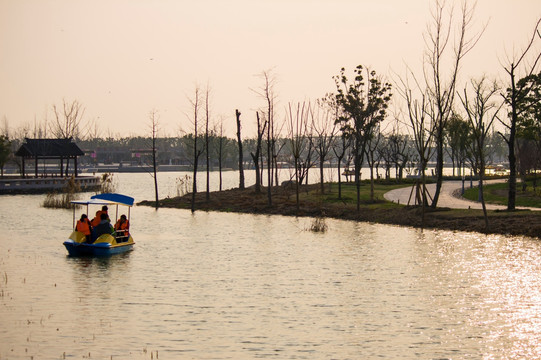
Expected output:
(49, 148)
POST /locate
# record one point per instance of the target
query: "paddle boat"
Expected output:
(119, 241)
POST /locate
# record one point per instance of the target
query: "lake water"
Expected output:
(236, 286)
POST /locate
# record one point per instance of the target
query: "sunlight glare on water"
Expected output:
(237, 286)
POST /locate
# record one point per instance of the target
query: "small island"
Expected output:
(312, 203)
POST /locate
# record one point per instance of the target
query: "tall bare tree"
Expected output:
(195, 103)
(267, 92)
(481, 112)
(422, 126)
(444, 47)
(154, 127)
(207, 152)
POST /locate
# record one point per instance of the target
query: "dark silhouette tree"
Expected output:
(5, 152)
(513, 97)
(241, 155)
(255, 155)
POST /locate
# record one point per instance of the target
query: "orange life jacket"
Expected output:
(83, 226)
(122, 225)
(96, 221)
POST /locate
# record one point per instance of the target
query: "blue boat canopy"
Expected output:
(116, 198)
(107, 199)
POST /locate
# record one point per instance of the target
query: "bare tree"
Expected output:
(241, 155)
(481, 112)
(255, 156)
(219, 147)
(297, 124)
(154, 125)
(266, 91)
(372, 143)
(67, 121)
(441, 88)
(307, 155)
(195, 103)
(512, 99)
(207, 152)
(339, 147)
(399, 150)
(325, 130)
(94, 131)
(422, 128)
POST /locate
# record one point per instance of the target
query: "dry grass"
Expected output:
(62, 200)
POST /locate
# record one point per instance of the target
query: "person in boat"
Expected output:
(104, 227)
(83, 225)
(97, 219)
(122, 225)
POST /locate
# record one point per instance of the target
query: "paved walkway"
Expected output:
(449, 196)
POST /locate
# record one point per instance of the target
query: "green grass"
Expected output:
(349, 193)
(497, 194)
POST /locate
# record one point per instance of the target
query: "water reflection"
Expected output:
(219, 286)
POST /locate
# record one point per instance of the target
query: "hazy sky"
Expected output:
(123, 58)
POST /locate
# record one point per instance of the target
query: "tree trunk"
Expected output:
(269, 163)
(439, 169)
(512, 194)
(358, 177)
(321, 162)
(155, 166)
(339, 178)
(239, 140)
(255, 157)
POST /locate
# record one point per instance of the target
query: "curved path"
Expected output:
(448, 196)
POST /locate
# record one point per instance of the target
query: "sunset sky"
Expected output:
(123, 58)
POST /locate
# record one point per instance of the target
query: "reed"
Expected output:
(319, 225)
(107, 183)
(63, 200)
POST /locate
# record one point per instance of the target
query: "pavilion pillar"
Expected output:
(62, 167)
(36, 166)
(75, 166)
(22, 170)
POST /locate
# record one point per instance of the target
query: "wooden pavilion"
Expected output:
(49, 149)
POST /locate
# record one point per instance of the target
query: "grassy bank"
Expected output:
(315, 204)
(527, 196)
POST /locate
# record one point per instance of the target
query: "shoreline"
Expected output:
(515, 223)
